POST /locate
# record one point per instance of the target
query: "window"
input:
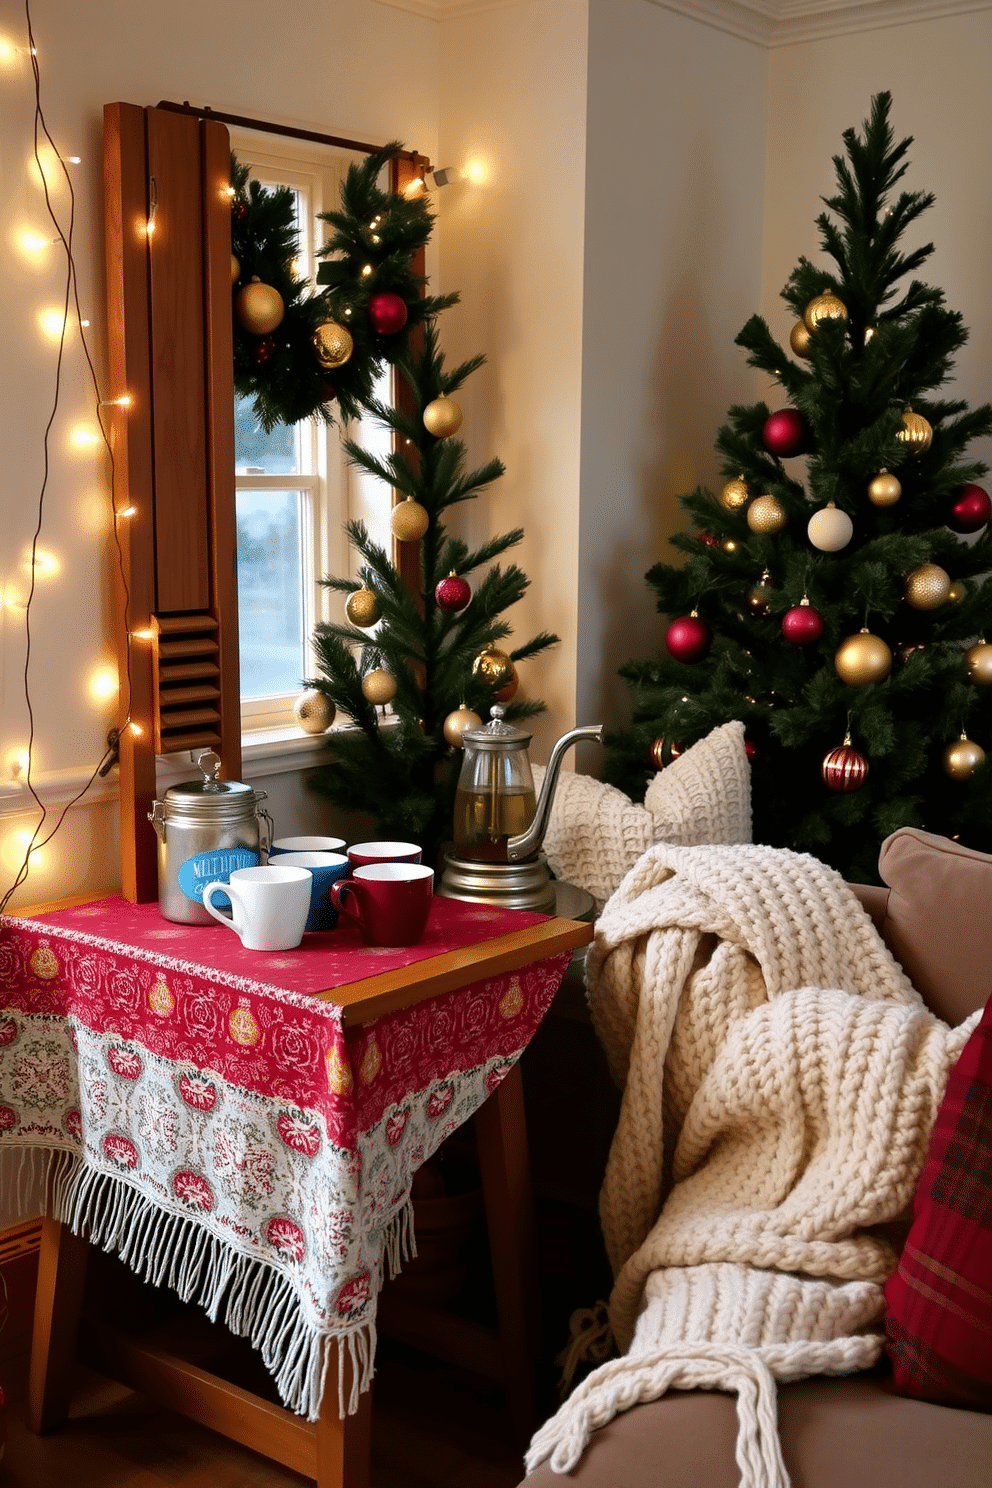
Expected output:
(294, 487)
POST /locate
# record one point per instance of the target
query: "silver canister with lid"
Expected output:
(206, 829)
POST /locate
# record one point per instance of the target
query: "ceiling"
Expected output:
(767, 22)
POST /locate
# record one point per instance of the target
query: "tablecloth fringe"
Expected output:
(170, 1249)
(400, 1240)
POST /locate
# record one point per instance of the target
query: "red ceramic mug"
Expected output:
(362, 853)
(390, 901)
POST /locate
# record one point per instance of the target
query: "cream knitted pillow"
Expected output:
(596, 834)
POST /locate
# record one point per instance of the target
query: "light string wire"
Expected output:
(71, 293)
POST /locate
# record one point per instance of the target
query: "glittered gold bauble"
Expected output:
(915, 432)
(979, 657)
(410, 520)
(957, 591)
(314, 711)
(235, 270)
(259, 307)
(735, 494)
(379, 687)
(333, 345)
(457, 724)
(509, 688)
(884, 490)
(759, 596)
(362, 608)
(962, 758)
(656, 753)
(824, 307)
(830, 529)
(927, 587)
(766, 514)
(495, 666)
(799, 339)
(863, 658)
(442, 417)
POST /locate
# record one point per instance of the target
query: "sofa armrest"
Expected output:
(875, 899)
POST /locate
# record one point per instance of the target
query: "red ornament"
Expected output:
(453, 593)
(971, 510)
(328, 392)
(786, 433)
(802, 625)
(388, 313)
(750, 748)
(263, 351)
(688, 638)
(239, 211)
(844, 769)
(708, 540)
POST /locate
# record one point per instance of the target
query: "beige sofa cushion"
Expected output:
(937, 921)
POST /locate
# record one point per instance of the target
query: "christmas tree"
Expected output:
(411, 669)
(831, 597)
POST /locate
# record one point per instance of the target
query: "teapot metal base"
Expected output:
(512, 885)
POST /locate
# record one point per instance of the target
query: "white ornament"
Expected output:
(830, 529)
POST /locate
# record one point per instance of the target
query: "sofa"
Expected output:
(933, 911)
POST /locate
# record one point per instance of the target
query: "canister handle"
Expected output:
(264, 836)
(157, 818)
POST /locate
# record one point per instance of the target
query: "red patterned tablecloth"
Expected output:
(194, 1107)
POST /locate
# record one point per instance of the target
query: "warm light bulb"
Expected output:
(376, 238)
(136, 729)
(103, 683)
(52, 323)
(13, 599)
(8, 52)
(347, 311)
(142, 635)
(229, 192)
(127, 511)
(476, 171)
(74, 159)
(366, 271)
(32, 244)
(17, 845)
(46, 565)
(124, 401)
(18, 762)
(415, 188)
(84, 437)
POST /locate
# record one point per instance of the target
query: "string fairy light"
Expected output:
(34, 841)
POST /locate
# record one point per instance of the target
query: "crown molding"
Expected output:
(768, 23)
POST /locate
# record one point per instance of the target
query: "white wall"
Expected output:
(937, 73)
(348, 67)
(513, 98)
(672, 269)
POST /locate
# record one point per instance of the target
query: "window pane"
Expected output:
(258, 453)
(270, 592)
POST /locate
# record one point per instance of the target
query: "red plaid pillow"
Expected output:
(939, 1314)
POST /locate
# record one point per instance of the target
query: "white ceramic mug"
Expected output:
(305, 844)
(269, 906)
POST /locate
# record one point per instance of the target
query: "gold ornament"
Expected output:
(979, 658)
(259, 307)
(409, 521)
(957, 591)
(442, 417)
(333, 345)
(884, 490)
(916, 432)
(457, 725)
(759, 596)
(927, 587)
(963, 758)
(824, 307)
(830, 529)
(735, 494)
(314, 711)
(799, 339)
(379, 687)
(766, 514)
(863, 658)
(362, 608)
(235, 271)
(495, 667)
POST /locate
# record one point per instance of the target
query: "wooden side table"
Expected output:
(335, 1450)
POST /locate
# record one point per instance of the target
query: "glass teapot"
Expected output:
(497, 816)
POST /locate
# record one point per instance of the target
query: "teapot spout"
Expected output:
(526, 844)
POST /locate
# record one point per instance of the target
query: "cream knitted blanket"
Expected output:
(780, 1078)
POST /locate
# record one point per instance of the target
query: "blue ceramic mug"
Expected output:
(325, 868)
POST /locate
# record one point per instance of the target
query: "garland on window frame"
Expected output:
(328, 347)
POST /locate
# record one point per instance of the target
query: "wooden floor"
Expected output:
(432, 1429)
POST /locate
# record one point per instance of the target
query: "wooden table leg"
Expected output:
(504, 1162)
(343, 1445)
(58, 1301)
